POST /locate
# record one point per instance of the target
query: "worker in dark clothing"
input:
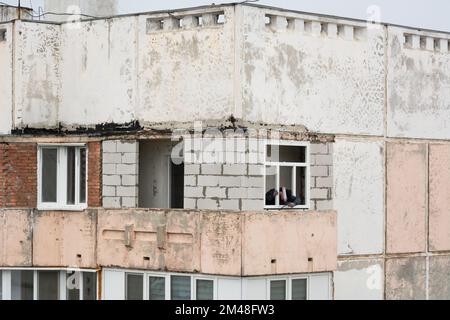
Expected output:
(286, 198)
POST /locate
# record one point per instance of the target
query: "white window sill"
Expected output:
(286, 208)
(61, 208)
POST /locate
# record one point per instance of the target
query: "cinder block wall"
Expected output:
(240, 186)
(120, 174)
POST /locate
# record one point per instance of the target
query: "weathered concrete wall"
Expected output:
(359, 196)
(37, 74)
(87, 7)
(418, 81)
(439, 197)
(406, 278)
(6, 92)
(359, 280)
(406, 197)
(329, 81)
(15, 238)
(9, 13)
(64, 239)
(305, 241)
(439, 275)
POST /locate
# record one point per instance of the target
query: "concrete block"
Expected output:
(190, 180)
(322, 194)
(109, 191)
(229, 205)
(347, 32)
(331, 30)
(130, 158)
(324, 182)
(439, 284)
(252, 182)
(214, 169)
(109, 169)
(255, 170)
(214, 192)
(297, 25)
(439, 198)
(359, 280)
(237, 193)
(129, 180)
(126, 169)
(112, 158)
(111, 202)
(415, 41)
(229, 181)
(192, 169)
(323, 159)
(207, 204)
(255, 193)
(318, 148)
(324, 205)
(190, 22)
(170, 23)
(429, 43)
(193, 192)
(112, 180)
(252, 205)
(129, 202)
(443, 45)
(313, 27)
(190, 203)
(126, 191)
(127, 146)
(208, 181)
(319, 171)
(109, 146)
(235, 169)
(278, 23)
(406, 197)
(406, 278)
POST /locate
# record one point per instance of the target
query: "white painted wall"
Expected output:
(358, 175)
(6, 80)
(418, 88)
(359, 280)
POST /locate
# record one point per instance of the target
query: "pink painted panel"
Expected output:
(439, 221)
(15, 238)
(64, 239)
(406, 197)
(289, 242)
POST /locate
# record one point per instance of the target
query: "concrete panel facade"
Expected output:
(15, 238)
(406, 197)
(359, 280)
(417, 82)
(439, 273)
(359, 196)
(406, 278)
(439, 181)
(6, 80)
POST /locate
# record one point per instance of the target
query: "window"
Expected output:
(1, 286)
(22, 285)
(288, 289)
(81, 282)
(62, 177)
(287, 175)
(204, 289)
(2, 35)
(157, 288)
(134, 286)
(278, 290)
(48, 285)
(180, 288)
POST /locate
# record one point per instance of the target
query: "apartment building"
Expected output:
(230, 151)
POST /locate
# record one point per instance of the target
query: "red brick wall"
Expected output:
(18, 175)
(95, 174)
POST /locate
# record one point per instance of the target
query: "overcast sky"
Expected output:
(427, 14)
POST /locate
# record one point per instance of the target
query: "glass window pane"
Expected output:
(180, 288)
(48, 285)
(205, 290)
(271, 185)
(71, 175)
(301, 185)
(135, 287)
(73, 285)
(299, 287)
(157, 288)
(49, 175)
(276, 153)
(278, 290)
(1, 285)
(83, 175)
(22, 285)
(89, 286)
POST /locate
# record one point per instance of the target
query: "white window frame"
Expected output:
(294, 165)
(61, 193)
(289, 285)
(6, 273)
